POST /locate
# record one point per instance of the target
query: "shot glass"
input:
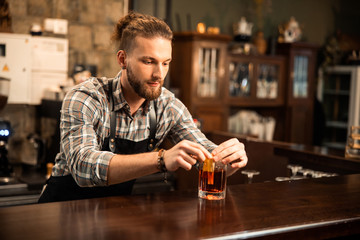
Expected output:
(212, 180)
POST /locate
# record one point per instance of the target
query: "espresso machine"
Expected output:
(5, 133)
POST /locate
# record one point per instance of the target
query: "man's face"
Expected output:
(147, 65)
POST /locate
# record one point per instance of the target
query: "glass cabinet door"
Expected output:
(240, 79)
(300, 83)
(208, 78)
(267, 81)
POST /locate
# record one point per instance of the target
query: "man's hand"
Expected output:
(231, 152)
(184, 155)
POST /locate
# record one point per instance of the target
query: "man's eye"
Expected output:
(147, 62)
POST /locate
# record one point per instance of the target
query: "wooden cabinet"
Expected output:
(339, 93)
(299, 100)
(198, 71)
(215, 84)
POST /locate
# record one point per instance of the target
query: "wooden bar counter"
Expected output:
(320, 208)
(319, 158)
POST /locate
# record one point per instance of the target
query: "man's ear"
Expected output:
(121, 58)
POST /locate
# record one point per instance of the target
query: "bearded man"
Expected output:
(111, 127)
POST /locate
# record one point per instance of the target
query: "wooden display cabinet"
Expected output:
(299, 100)
(198, 71)
(214, 84)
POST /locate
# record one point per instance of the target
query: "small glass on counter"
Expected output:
(212, 180)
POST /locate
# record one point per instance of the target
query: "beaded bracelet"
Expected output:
(161, 163)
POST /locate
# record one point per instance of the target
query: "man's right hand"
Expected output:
(185, 154)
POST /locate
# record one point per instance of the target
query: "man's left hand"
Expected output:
(231, 152)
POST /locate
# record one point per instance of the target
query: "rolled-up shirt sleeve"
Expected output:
(81, 115)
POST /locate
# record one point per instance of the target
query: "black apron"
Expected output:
(65, 188)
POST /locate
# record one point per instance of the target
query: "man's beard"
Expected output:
(140, 87)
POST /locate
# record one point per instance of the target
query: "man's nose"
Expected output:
(159, 72)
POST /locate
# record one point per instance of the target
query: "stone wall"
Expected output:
(90, 25)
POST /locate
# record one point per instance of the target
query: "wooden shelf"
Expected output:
(337, 124)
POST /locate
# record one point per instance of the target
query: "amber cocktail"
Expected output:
(212, 180)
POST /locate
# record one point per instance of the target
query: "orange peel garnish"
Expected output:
(209, 165)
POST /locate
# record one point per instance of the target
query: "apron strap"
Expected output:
(112, 145)
(151, 141)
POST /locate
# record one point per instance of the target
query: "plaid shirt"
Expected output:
(85, 123)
